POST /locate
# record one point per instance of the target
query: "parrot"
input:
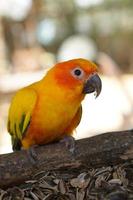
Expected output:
(50, 109)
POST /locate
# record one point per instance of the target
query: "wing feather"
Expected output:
(20, 113)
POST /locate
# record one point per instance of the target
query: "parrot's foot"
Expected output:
(69, 143)
(32, 154)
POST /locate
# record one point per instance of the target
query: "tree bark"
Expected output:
(101, 150)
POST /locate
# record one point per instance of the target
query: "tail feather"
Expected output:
(16, 144)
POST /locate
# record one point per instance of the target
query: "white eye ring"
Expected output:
(77, 73)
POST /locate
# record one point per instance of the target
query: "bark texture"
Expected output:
(101, 150)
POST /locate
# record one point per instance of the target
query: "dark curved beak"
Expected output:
(93, 84)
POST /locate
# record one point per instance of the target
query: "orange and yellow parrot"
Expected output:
(50, 109)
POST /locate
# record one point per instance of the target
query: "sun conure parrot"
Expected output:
(50, 109)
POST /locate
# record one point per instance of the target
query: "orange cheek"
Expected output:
(66, 80)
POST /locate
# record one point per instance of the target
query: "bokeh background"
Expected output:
(35, 34)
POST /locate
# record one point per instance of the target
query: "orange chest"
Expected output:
(50, 119)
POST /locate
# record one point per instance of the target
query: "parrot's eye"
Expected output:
(77, 73)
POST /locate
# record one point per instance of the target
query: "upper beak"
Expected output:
(93, 84)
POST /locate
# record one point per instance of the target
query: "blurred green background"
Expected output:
(35, 34)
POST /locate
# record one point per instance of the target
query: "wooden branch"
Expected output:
(101, 150)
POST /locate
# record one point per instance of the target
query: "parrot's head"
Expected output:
(79, 75)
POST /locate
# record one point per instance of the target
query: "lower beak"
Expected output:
(93, 84)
